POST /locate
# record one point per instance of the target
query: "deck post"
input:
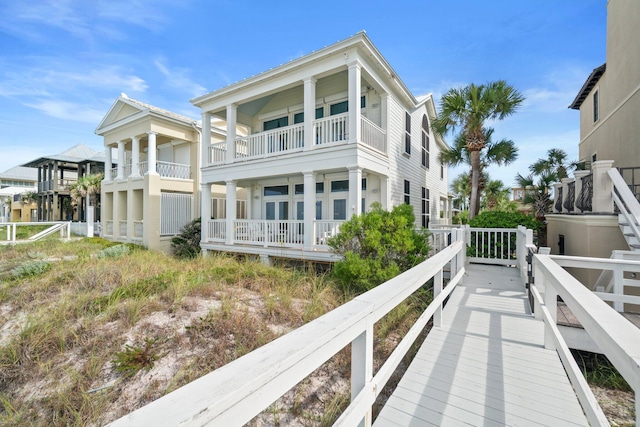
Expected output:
(618, 284)
(362, 367)
(437, 288)
(551, 302)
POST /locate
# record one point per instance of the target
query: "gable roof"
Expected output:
(592, 80)
(20, 173)
(118, 113)
(360, 39)
(77, 154)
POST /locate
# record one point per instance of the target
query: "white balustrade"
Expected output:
(373, 135)
(138, 229)
(492, 245)
(332, 129)
(217, 153)
(270, 143)
(122, 227)
(269, 232)
(326, 229)
(217, 230)
(108, 228)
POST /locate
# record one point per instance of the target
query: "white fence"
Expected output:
(10, 230)
(373, 135)
(238, 391)
(616, 337)
(175, 212)
(332, 129)
(492, 245)
(271, 142)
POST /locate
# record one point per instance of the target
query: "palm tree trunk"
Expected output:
(474, 205)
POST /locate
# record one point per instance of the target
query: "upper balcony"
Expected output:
(164, 169)
(328, 131)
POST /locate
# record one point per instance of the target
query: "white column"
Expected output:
(205, 140)
(120, 160)
(205, 211)
(135, 156)
(231, 210)
(384, 118)
(309, 112)
(151, 154)
(309, 208)
(354, 101)
(385, 201)
(355, 191)
(232, 118)
(602, 186)
(108, 163)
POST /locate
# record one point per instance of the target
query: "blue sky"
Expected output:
(64, 62)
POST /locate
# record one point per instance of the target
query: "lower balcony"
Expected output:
(326, 131)
(272, 233)
(164, 169)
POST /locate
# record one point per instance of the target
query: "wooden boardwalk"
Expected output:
(487, 365)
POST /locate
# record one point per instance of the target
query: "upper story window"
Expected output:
(425, 207)
(338, 186)
(276, 123)
(276, 190)
(407, 192)
(339, 108)
(425, 141)
(441, 169)
(596, 105)
(407, 133)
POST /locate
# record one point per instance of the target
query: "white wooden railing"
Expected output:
(439, 239)
(270, 143)
(616, 337)
(287, 233)
(238, 391)
(332, 129)
(173, 170)
(64, 227)
(626, 202)
(492, 245)
(324, 229)
(217, 230)
(373, 135)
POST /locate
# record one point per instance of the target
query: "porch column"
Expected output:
(354, 101)
(355, 191)
(108, 163)
(135, 156)
(384, 118)
(231, 210)
(205, 140)
(120, 160)
(602, 186)
(309, 112)
(232, 118)
(151, 154)
(578, 176)
(309, 209)
(384, 193)
(55, 179)
(205, 211)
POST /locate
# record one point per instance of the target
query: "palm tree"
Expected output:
(501, 153)
(467, 109)
(28, 197)
(494, 193)
(536, 193)
(555, 164)
(461, 187)
(87, 187)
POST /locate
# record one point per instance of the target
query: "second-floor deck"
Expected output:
(164, 169)
(328, 131)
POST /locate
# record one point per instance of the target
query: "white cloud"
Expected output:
(67, 110)
(178, 78)
(556, 90)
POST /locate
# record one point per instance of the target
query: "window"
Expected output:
(318, 209)
(425, 207)
(298, 118)
(338, 186)
(425, 141)
(407, 192)
(339, 108)
(596, 105)
(441, 169)
(363, 102)
(299, 189)
(407, 133)
(276, 190)
(319, 187)
(364, 184)
(275, 123)
(340, 209)
(319, 112)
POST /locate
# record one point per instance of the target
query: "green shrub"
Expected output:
(134, 358)
(493, 245)
(114, 251)
(31, 268)
(377, 246)
(187, 243)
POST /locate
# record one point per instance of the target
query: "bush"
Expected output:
(32, 268)
(377, 246)
(187, 243)
(501, 219)
(113, 251)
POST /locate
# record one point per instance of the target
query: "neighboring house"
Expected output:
(14, 182)
(19, 176)
(328, 134)
(56, 173)
(609, 104)
(154, 190)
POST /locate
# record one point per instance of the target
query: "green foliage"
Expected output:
(187, 243)
(113, 251)
(31, 268)
(134, 358)
(377, 246)
(499, 219)
(598, 370)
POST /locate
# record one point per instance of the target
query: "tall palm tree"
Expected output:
(461, 187)
(87, 187)
(501, 153)
(467, 110)
(555, 164)
(536, 193)
(494, 193)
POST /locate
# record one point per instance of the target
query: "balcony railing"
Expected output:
(138, 229)
(164, 169)
(122, 227)
(287, 233)
(289, 139)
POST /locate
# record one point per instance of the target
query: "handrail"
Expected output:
(238, 391)
(618, 338)
(626, 201)
(63, 226)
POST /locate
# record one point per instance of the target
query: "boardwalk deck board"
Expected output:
(487, 365)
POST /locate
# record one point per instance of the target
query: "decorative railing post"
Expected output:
(580, 199)
(602, 186)
(564, 182)
(557, 195)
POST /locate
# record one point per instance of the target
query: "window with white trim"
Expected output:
(425, 141)
(425, 207)
(407, 192)
(407, 133)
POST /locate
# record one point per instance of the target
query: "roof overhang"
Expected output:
(592, 80)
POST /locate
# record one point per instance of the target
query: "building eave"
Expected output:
(589, 84)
